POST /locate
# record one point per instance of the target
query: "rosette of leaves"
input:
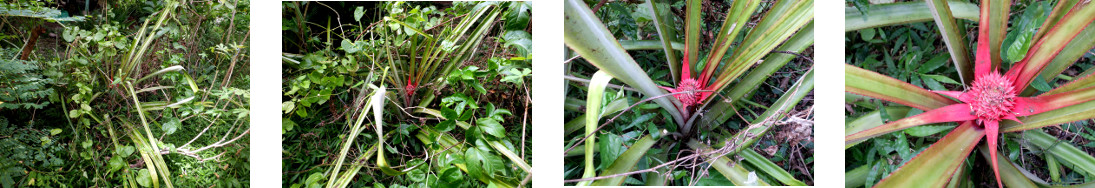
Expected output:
(726, 75)
(990, 101)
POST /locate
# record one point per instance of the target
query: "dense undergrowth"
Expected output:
(124, 94)
(406, 94)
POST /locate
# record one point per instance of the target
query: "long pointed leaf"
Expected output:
(872, 120)
(626, 162)
(722, 111)
(736, 19)
(953, 37)
(760, 126)
(593, 106)
(934, 166)
(586, 35)
(1025, 106)
(1063, 150)
(766, 166)
(1075, 49)
(1059, 116)
(952, 113)
(667, 34)
(778, 24)
(871, 84)
(1007, 173)
(998, 22)
(729, 169)
(901, 13)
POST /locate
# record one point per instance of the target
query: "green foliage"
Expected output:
(30, 156)
(184, 91)
(458, 53)
(22, 86)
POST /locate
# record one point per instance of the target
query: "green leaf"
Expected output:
(943, 79)
(518, 16)
(927, 130)
(871, 84)
(143, 178)
(170, 125)
(867, 34)
(116, 163)
(626, 162)
(125, 151)
(481, 163)
(934, 166)
(417, 175)
(358, 12)
(445, 126)
(587, 35)
(451, 174)
(492, 127)
(54, 132)
(349, 47)
(287, 125)
(610, 147)
(934, 63)
(901, 13)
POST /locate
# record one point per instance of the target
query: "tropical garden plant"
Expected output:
(353, 66)
(712, 106)
(1005, 94)
(127, 94)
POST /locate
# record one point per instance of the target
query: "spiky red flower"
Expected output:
(410, 89)
(688, 84)
(687, 99)
(991, 97)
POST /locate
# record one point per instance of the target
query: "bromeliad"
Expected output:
(992, 97)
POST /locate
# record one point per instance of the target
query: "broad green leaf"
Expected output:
(116, 163)
(518, 16)
(610, 146)
(417, 175)
(54, 132)
(492, 127)
(143, 178)
(445, 126)
(358, 12)
(170, 125)
(481, 163)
